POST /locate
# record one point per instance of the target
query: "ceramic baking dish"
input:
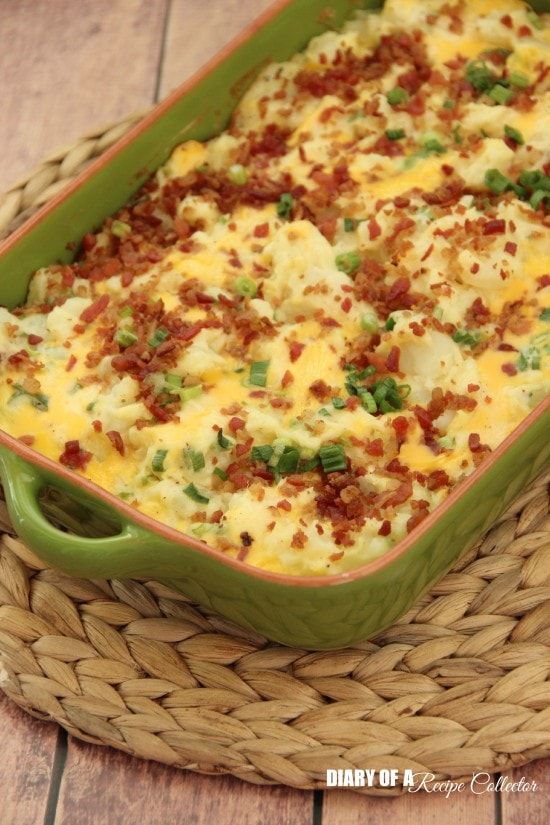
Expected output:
(113, 539)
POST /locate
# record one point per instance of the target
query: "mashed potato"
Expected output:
(305, 332)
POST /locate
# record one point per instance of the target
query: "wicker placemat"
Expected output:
(459, 684)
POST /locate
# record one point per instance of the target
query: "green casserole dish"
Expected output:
(113, 540)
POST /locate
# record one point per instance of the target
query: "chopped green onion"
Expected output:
(173, 380)
(308, 464)
(324, 412)
(501, 95)
(519, 80)
(125, 338)
(534, 19)
(224, 443)
(194, 494)
(514, 134)
(465, 338)
(126, 312)
(446, 442)
(333, 458)
(194, 459)
(187, 393)
(279, 446)
(284, 206)
(348, 262)
(479, 75)
(545, 314)
(220, 473)
(390, 323)
(238, 174)
(258, 373)
(120, 228)
(537, 198)
(496, 182)
(288, 462)
(90, 406)
(388, 395)
(262, 453)
(37, 399)
(338, 403)
(529, 359)
(397, 96)
(457, 137)
(158, 461)
(367, 401)
(432, 146)
(395, 134)
(369, 322)
(349, 224)
(159, 335)
(245, 286)
(449, 104)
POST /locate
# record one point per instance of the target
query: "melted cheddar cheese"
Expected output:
(303, 333)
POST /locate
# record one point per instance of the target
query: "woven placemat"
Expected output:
(459, 684)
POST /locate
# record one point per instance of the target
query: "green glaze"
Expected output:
(322, 615)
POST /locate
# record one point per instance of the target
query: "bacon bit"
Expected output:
(417, 329)
(70, 363)
(18, 358)
(415, 519)
(352, 402)
(74, 456)
(97, 425)
(34, 339)
(27, 439)
(509, 368)
(506, 20)
(427, 253)
(524, 31)
(374, 229)
(400, 495)
(116, 440)
(299, 540)
(474, 443)
(506, 348)
(401, 202)
(295, 349)
(235, 424)
(320, 390)
(544, 281)
(246, 538)
(446, 169)
(400, 426)
(474, 269)
(477, 313)
(261, 230)
(216, 517)
(257, 394)
(438, 479)
(402, 226)
(241, 449)
(392, 360)
(395, 466)
(375, 447)
(95, 309)
(287, 379)
(346, 304)
(88, 241)
(511, 248)
(497, 226)
(284, 505)
(473, 387)
(385, 528)
(270, 527)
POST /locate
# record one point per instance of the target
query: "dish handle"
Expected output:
(23, 483)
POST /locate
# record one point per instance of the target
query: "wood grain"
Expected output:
(101, 786)
(197, 30)
(28, 750)
(528, 807)
(70, 65)
(462, 808)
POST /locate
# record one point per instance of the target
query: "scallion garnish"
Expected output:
(479, 75)
(519, 80)
(245, 286)
(159, 335)
(369, 322)
(397, 96)
(258, 373)
(125, 338)
(288, 462)
(223, 442)
(338, 403)
(126, 312)
(120, 229)
(390, 323)
(194, 494)
(496, 182)
(158, 461)
(465, 338)
(349, 224)
(545, 314)
(187, 393)
(395, 134)
(348, 262)
(529, 359)
(38, 400)
(501, 95)
(284, 206)
(367, 401)
(194, 459)
(262, 453)
(514, 134)
(220, 473)
(173, 381)
(333, 458)
(238, 174)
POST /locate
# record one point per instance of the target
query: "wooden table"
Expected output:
(66, 66)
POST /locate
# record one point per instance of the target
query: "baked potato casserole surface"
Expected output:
(301, 335)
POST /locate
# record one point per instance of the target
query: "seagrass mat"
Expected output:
(459, 684)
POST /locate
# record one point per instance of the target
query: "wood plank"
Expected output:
(28, 752)
(193, 37)
(527, 807)
(69, 67)
(421, 808)
(101, 785)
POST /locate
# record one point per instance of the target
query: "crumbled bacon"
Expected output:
(116, 440)
(320, 390)
(74, 456)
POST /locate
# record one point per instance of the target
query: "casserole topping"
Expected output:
(301, 335)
